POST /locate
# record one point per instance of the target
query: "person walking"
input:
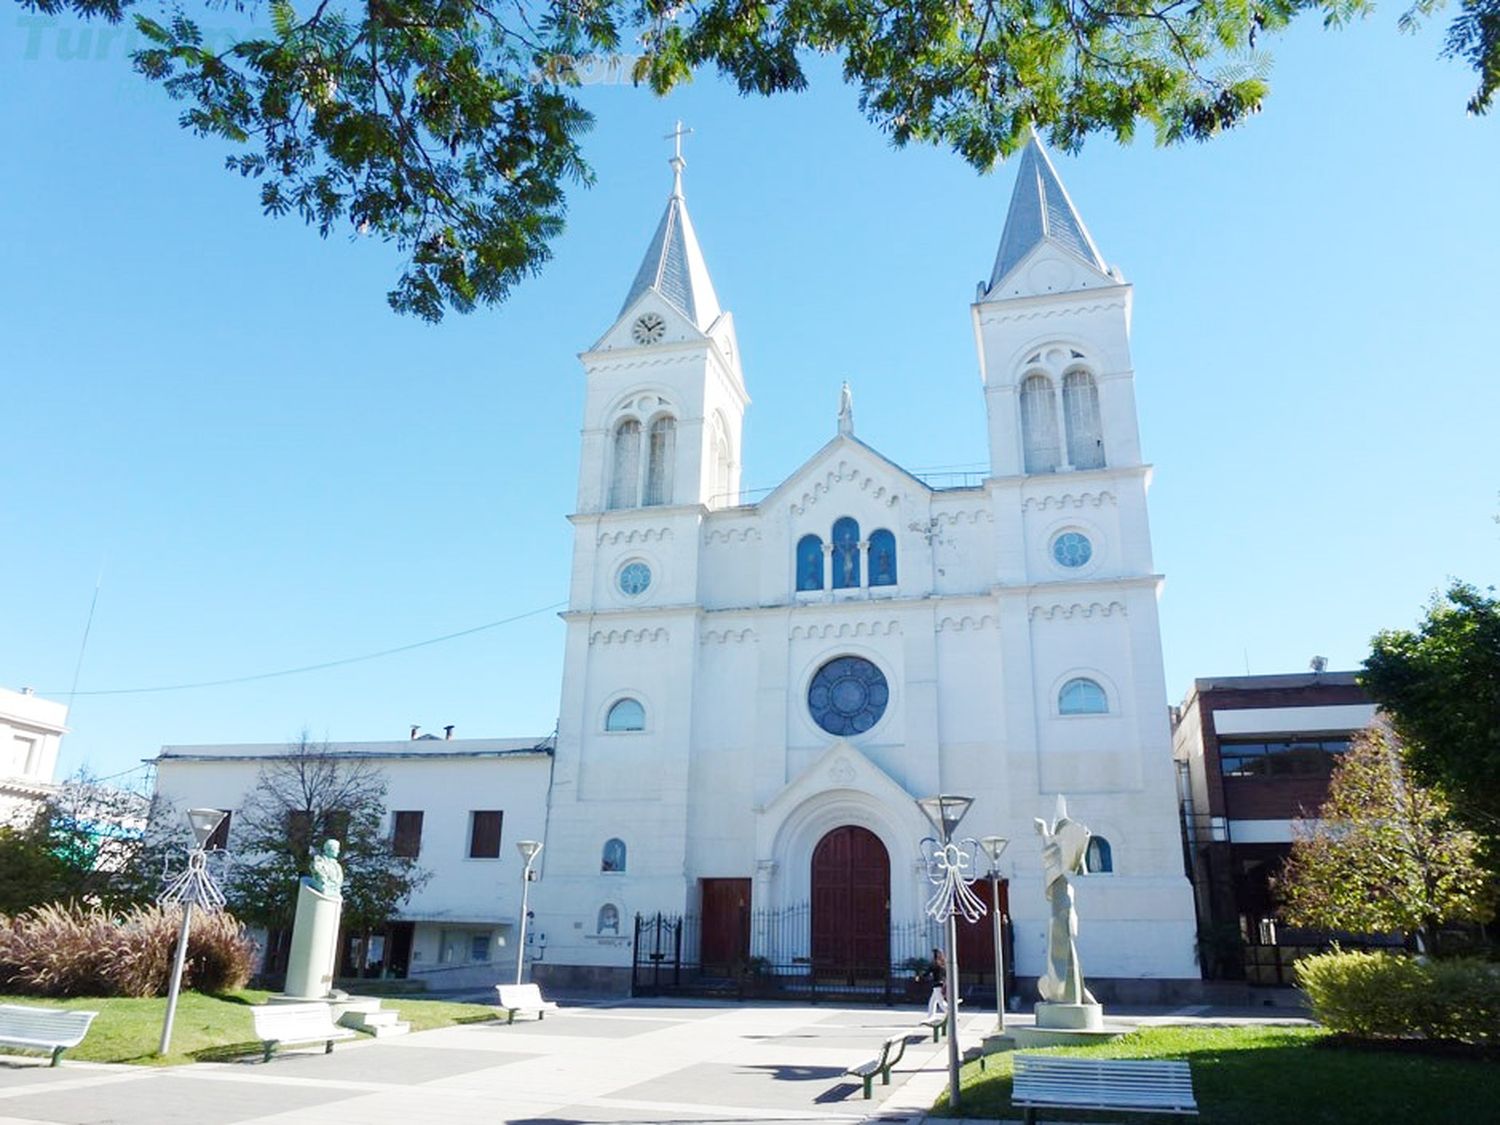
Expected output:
(937, 1003)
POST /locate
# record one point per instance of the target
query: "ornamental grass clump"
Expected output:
(1394, 996)
(71, 950)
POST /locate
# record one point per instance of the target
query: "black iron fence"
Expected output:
(779, 963)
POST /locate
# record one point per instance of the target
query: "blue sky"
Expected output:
(218, 413)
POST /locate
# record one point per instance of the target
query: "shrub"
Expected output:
(1392, 996)
(85, 951)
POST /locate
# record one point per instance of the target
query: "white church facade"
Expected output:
(755, 694)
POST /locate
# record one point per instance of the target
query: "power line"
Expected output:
(326, 663)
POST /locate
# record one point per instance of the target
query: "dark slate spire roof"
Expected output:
(1040, 209)
(674, 265)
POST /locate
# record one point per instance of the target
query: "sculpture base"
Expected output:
(1063, 1025)
(315, 939)
(1070, 1017)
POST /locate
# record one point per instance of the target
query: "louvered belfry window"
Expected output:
(663, 440)
(625, 474)
(1081, 414)
(1039, 425)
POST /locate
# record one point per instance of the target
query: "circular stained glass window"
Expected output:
(634, 578)
(1072, 549)
(848, 695)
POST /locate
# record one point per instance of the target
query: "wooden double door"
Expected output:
(851, 905)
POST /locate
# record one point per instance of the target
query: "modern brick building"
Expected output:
(1255, 753)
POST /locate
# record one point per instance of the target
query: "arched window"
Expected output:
(659, 460)
(845, 553)
(882, 558)
(625, 473)
(1098, 859)
(1039, 425)
(609, 920)
(1082, 697)
(1081, 414)
(613, 858)
(627, 714)
(809, 563)
(721, 461)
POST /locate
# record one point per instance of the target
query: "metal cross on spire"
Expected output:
(677, 161)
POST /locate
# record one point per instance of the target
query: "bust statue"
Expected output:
(327, 873)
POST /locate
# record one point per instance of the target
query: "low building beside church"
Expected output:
(754, 694)
(457, 806)
(1256, 753)
(31, 730)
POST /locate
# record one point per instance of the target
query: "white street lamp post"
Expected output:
(528, 850)
(994, 847)
(953, 897)
(193, 886)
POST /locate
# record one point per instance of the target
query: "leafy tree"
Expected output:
(309, 795)
(1384, 854)
(87, 843)
(451, 127)
(1440, 684)
(31, 872)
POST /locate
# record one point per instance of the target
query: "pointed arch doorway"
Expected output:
(851, 905)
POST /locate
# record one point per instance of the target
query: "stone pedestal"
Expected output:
(1070, 1017)
(315, 939)
(1059, 1025)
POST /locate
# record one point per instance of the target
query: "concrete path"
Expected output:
(629, 1062)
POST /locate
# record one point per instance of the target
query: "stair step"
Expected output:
(385, 1030)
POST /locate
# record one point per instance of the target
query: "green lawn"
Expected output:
(208, 1027)
(1259, 1075)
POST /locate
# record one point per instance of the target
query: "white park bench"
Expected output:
(890, 1054)
(523, 998)
(1126, 1085)
(43, 1029)
(278, 1024)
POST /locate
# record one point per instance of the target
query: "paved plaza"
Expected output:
(627, 1062)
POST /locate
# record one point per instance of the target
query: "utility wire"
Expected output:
(327, 663)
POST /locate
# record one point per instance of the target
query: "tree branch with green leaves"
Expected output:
(452, 128)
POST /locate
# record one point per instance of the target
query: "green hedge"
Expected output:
(1392, 996)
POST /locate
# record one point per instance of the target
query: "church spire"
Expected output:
(674, 266)
(1041, 210)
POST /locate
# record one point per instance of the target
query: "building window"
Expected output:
(406, 834)
(484, 834)
(479, 947)
(625, 475)
(613, 859)
(882, 558)
(809, 563)
(1098, 858)
(1081, 415)
(1291, 757)
(1082, 697)
(219, 841)
(848, 696)
(846, 554)
(722, 460)
(626, 715)
(659, 461)
(1072, 549)
(1039, 444)
(609, 920)
(25, 757)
